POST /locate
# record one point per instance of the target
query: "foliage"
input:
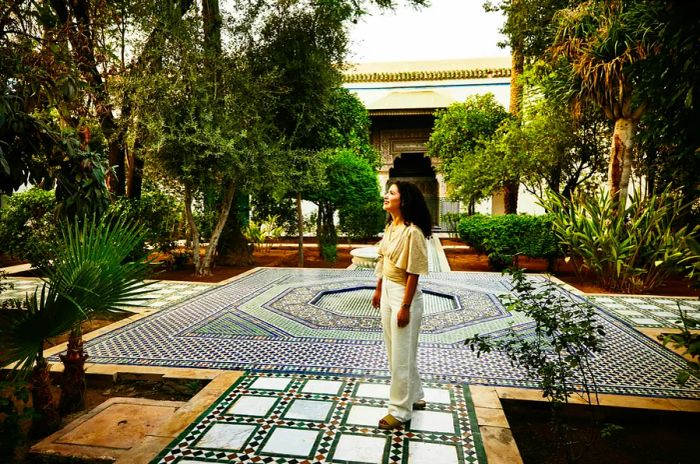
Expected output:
(89, 276)
(14, 398)
(262, 233)
(264, 204)
(28, 227)
(349, 181)
(669, 140)
(459, 133)
(329, 252)
(160, 214)
(362, 221)
(505, 238)
(557, 351)
(631, 250)
(451, 221)
(689, 342)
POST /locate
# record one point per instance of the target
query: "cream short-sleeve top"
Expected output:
(403, 250)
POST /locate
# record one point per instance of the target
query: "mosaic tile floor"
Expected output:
(649, 311)
(319, 321)
(285, 418)
(162, 294)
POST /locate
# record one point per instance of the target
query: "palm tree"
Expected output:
(602, 41)
(90, 276)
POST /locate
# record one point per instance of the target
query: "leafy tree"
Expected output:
(459, 133)
(603, 41)
(350, 182)
(669, 141)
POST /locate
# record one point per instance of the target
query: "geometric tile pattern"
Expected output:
(644, 311)
(161, 294)
(296, 418)
(244, 325)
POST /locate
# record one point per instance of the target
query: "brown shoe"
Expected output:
(389, 422)
(419, 405)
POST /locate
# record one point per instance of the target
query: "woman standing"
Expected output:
(403, 255)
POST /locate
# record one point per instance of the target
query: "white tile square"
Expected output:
(226, 436)
(271, 383)
(633, 300)
(365, 415)
(437, 395)
(312, 410)
(432, 421)
(684, 307)
(666, 314)
(629, 312)
(360, 449)
(615, 305)
(603, 300)
(373, 390)
(328, 387)
(293, 442)
(643, 321)
(247, 405)
(419, 453)
(647, 306)
(665, 301)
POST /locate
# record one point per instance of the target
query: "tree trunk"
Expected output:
(234, 249)
(510, 188)
(300, 225)
(327, 237)
(48, 419)
(620, 166)
(73, 385)
(204, 268)
(194, 232)
(510, 197)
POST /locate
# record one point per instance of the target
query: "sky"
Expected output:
(446, 29)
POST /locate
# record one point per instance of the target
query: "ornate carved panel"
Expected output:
(392, 143)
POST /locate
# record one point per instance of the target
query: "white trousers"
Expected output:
(401, 346)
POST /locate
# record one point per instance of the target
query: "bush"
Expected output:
(160, 214)
(362, 221)
(28, 227)
(505, 238)
(261, 234)
(633, 249)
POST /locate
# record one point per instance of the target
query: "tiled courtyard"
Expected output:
(315, 382)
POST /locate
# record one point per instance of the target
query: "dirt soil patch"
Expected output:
(274, 257)
(639, 435)
(466, 259)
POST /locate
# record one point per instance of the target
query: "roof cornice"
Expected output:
(413, 76)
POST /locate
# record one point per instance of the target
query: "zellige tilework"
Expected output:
(295, 418)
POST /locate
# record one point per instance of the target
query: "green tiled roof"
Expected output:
(427, 75)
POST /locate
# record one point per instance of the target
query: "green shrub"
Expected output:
(159, 213)
(28, 227)
(632, 249)
(505, 238)
(362, 221)
(261, 234)
(329, 252)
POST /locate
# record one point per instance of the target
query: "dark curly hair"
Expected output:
(413, 207)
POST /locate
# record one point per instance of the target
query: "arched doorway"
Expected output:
(416, 168)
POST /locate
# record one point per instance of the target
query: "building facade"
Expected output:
(402, 98)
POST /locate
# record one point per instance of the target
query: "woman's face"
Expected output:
(392, 200)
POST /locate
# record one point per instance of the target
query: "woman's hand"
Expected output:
(403, 317)
(377, 297)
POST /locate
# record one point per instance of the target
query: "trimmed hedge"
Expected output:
(505, 238)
